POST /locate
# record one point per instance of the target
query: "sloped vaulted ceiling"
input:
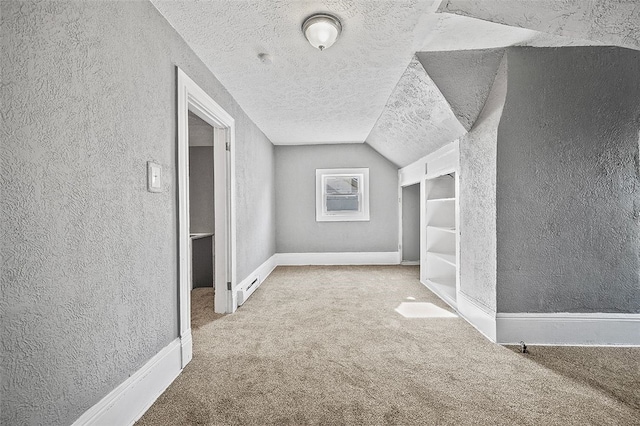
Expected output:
(303, 95)
(367, 86)
(464, 77)
(615, 22)
(416, 120)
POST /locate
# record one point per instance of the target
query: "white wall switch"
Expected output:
(154, 177)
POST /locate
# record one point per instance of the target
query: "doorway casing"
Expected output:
(191, 97)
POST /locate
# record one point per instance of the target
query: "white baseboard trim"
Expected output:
(571, 329)
(477, 315)
(129, 401)
(186, 348)
(410, 262)
(441, 294)
(347, 258)
(245, 289)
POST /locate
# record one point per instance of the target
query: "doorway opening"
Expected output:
(206, 210)
(201, 221)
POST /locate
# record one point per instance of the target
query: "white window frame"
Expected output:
(321, 201)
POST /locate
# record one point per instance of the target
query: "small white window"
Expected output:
(342, 195)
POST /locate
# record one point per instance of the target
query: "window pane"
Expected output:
(342, 185)
(343, 203)
(342, 195)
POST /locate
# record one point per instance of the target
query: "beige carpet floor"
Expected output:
(325, 345)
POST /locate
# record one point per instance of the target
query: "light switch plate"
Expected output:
(154, 177)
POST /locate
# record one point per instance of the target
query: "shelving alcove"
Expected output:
(439, 257)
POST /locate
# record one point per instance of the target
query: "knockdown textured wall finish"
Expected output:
(297, 229)
(568, 182)
(89, 277)
(478, 151)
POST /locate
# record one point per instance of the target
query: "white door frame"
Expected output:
(192, 98)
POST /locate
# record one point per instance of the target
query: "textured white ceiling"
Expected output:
(416, 121)
(464, 78)
(448, 32)
(614, 22)
(431, 108)
(304, 95)
(366, 87)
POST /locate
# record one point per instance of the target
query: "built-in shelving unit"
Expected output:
(439, 261)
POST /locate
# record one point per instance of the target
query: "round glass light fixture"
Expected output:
(321, 30)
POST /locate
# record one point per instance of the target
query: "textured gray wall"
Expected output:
(568, 182)
(201, 189)
(89, 276)
(297, 229)
(411, 222)
(478, 153)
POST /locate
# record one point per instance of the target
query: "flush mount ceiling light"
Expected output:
(322, 30)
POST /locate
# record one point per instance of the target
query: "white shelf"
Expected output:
(443, 228)
(439, 200)
(197, 235)
(449, 258)
(440, 232)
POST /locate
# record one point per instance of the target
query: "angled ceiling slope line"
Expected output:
(464, 78)
(611, 22)
(491, 114)
(416, 119)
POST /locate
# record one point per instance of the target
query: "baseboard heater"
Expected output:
(247, 290)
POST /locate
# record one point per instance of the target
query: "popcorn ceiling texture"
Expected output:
(615, 22)
(305, 95)
(416, 121)
(457, 32)
(478, 151)
(568, 182)
(464, 78)
(89, 279)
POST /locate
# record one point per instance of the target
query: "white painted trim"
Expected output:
(348, 258)
(322, 215)
(184, 255)
(133, 397)
(232, 275)
(592, 329)
(483, 319)
(400, 224)
(261, 272)
(423, 229)
(282, 143)
(190, 97)
(186, 347)
(221, 246)
(415, 172)
(410, 263)
(442, 295)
